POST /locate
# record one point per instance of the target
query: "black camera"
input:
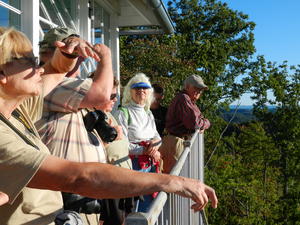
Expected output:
(97, 120)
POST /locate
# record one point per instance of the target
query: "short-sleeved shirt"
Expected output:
(62, 127)
(184, 116)
(19, 162)
(118, 150)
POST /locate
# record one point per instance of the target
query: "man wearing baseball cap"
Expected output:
(62, 126)
(47, 45)
(183, 118)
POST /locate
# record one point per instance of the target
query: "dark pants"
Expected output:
(114, 211)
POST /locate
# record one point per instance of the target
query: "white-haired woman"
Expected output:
(139, 127)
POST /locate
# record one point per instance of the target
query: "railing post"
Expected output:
(201, 156)
(200, 146)
(136, 219)
(176, 210)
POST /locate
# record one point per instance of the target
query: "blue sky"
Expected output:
(277, 31)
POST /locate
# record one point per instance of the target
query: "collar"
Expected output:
(137, 105)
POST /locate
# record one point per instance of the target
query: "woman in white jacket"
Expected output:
(139, 127)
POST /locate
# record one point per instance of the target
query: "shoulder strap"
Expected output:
(126, 113)
(19, 117)
(8, 123)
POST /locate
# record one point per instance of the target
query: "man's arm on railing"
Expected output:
(98, 180)
(199, 192)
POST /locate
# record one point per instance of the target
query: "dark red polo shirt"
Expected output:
(184, 116)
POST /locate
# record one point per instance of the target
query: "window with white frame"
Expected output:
(100, 24)
(55, 13)
(65, 13)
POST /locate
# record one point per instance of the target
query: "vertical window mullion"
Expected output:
(30, 22)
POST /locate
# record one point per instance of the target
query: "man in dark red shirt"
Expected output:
(183, 118)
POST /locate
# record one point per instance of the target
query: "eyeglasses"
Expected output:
(140, 88)
(113, 96)
(34, 61)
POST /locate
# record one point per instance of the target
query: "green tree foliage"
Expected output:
(210, 40)
(283, 125)
(217, 39)
(269, 147)
(255, 166)
(156, 57)
(245, 176)
(244, 172)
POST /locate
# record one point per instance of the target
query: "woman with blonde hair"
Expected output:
(23, 84)
(139, 127)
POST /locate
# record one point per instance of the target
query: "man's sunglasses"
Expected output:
(113, 96)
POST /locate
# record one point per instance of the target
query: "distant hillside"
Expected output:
(244, 113)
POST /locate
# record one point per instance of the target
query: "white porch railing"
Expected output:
(170, 209)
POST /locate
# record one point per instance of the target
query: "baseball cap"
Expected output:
(196, 81)
(140, 85)
(55, 34)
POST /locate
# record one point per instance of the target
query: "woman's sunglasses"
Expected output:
(34, 61)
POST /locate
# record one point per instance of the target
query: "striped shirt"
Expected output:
(62, 128)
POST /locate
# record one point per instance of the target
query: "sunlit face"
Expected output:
(139, 95)
(108, 107)
(47, 54)
(193, 92)
(22, 77)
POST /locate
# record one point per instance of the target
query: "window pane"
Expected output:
(65, 13)
(59, 13)
(10, 18)
(45, 27)
(14, 3)
(52, 12)
(97, 23)
(106, 19)
(71, 6)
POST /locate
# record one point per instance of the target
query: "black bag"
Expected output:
(68, 218)
(81, 204)
(114, 211)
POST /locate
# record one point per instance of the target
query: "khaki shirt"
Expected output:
(18, 164)
(118, 151)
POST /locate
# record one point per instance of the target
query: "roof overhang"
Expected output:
(144, 13)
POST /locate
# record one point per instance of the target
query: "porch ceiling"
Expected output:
(135, 13)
